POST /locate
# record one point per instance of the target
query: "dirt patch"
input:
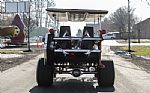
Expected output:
(6, 63)
(137, 60)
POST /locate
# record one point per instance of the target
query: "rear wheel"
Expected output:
(44, 73)
(106, 75)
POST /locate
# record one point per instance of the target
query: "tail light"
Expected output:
(102, 32)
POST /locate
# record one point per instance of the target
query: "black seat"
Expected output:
(87, 32)
(65, 32)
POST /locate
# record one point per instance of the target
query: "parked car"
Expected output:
(110, 35)
(4, 42)
(1, 44)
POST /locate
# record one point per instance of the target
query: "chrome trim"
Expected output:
(77, 38)
(75, 50)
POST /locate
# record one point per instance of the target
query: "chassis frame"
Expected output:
(73, 58)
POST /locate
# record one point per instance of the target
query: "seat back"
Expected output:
(65, 31)
(87, 32)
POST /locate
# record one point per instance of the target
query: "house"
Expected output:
(142, 29)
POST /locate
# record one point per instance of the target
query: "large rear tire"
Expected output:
(106, 75)
(44, 74)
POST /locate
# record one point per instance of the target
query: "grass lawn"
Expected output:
(135, 41)
(9, 51)
(141, 41)
(139, 50)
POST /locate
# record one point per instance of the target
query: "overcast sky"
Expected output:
(142, 8)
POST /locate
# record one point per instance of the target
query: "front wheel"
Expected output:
(44, 73)
(106, 75)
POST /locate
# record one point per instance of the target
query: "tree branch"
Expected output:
(147, 1)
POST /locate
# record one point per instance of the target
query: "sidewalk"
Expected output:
(115, 43)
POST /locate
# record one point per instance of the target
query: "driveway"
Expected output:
(129, 78)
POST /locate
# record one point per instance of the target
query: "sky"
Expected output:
(141, 7)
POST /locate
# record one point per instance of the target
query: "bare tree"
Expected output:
(38, 8)
(32, 22)
(108, 25)
(118, 21)
(148, 2)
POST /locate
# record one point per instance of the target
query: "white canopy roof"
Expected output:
(76, 15)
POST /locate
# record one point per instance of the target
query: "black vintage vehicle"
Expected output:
(65, 54)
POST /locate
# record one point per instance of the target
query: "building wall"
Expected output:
(142, 29)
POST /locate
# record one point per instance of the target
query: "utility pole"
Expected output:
(139, 35)
(46, 19)
(37, 12)
(129, 47)
(28, 36)
(1, 13)
(41, 3)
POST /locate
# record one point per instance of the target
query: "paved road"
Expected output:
(129, 79)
